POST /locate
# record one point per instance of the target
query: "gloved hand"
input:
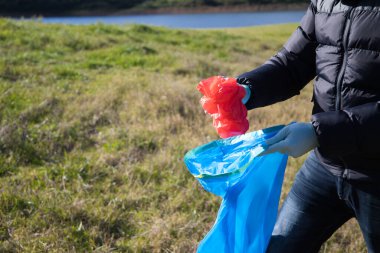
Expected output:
(294, 140)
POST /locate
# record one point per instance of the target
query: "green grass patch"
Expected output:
(95, 121)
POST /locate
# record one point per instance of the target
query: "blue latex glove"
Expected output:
(247, 93)
(294, 140)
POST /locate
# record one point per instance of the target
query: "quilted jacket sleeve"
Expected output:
(286, 73)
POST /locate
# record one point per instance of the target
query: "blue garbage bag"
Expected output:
(250, 186)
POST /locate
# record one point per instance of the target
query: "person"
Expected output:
(338, 45)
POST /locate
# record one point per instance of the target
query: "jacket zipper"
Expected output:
(347, 26)
(338, 101)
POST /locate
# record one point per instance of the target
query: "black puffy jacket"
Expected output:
(338, 44)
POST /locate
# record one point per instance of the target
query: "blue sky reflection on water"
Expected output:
(204, 20)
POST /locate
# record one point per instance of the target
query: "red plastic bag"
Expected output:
(222, 100)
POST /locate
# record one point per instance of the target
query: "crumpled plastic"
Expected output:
(222, 100)
(250, 186)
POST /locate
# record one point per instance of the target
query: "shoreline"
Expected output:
(167, 10)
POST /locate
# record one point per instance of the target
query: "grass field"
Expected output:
(95, 121)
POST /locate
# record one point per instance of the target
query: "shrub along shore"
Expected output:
(95, 121)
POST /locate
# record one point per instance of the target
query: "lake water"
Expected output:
(209, 20)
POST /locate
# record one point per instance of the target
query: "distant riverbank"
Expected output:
(192, 21)
(167, 10)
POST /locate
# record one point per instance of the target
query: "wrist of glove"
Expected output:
(244, 82)
(247, 93)
(294, 140)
